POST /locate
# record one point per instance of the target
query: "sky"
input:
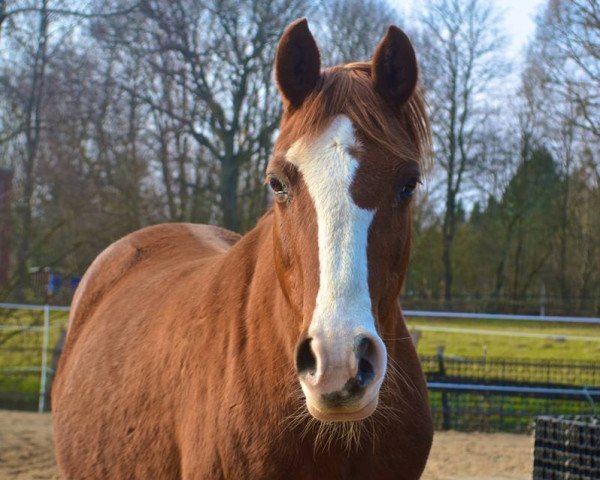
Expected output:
(519, 19)
(519, 25)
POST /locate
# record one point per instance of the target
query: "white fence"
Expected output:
(502, 317)
(495, 316)
(45, 328)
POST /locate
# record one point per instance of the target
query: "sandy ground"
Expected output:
(26, 452)
(26, 446)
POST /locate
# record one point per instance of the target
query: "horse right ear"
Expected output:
(297, 64)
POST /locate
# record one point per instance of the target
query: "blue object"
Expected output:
(74, 282)
(54, 283)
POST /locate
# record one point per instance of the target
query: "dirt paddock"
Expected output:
(26, 452)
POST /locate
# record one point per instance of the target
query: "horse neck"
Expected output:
(263, 323)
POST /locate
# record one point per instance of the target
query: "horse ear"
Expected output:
(394, 67)
(297, 64)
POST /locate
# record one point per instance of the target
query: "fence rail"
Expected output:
(26, 306)
(504, 333)
(495, 316)
(577, 393)
(407, 313)
(532, 305)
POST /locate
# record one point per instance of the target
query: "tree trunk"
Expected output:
(228, 188)
(6, 178)
(447, 260)
(32, 136)
(564, 221)
(447, 240)
(166, 174)
(2, 13)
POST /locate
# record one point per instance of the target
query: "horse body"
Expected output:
(195, 395)
(195, 353)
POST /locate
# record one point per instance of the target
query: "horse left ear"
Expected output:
(394, 67)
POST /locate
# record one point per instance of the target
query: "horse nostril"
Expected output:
(365, 350)
(363, 346)
(365, 374)
(306, 362)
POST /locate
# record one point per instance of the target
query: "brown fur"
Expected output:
(403, 131)
(179, 362)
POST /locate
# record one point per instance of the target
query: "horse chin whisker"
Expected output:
(351, 436)
(347, 435)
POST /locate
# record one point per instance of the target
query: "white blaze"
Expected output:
(343, 304)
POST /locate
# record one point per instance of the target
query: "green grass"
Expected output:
(477, 346)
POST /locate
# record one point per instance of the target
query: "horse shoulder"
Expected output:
(169, 241)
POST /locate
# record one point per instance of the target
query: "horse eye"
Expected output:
(406, 190)
(278, 187)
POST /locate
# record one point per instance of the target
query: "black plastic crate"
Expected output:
(567, 447)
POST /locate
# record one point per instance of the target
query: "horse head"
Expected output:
(351, 150)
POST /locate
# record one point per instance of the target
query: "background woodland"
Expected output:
(115, 115)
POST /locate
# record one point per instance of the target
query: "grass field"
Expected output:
(477, 345)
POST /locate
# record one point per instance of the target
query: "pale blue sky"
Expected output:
(519, 19)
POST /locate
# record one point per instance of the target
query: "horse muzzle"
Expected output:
(341, 375)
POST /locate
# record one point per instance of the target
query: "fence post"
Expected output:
(543, 300)
(445, 403)
(44, 370)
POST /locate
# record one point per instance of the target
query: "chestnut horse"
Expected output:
(195, 353)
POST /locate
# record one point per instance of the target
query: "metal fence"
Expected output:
(29, 335)
(511, 371)
(506, 394)
(504, 408)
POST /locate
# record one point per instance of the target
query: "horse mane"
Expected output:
(348, 90)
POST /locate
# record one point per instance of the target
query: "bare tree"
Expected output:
(224, 73)
(563, 74)
(461, 46)
(32, 131)
(351, 28)
(567, 48)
